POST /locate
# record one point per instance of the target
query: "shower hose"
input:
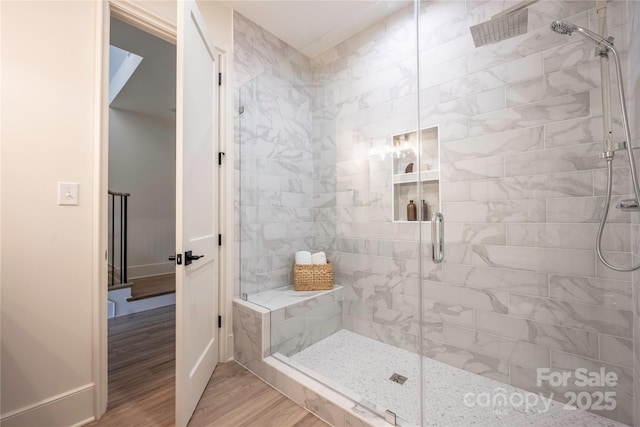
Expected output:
(632, 169)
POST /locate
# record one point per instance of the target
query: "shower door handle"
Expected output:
(437, 238)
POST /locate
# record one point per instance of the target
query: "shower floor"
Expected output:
(363, 366)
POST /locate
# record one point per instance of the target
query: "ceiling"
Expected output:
(152, 87)
(313, 26)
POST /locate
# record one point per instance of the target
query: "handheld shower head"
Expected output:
(564, 27)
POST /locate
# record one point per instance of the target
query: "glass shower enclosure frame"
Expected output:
(499, 145)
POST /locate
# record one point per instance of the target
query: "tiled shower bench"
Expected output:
(277, 323)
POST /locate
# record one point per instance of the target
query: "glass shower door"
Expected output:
(521, 318)
(326, 146)
(363, 117)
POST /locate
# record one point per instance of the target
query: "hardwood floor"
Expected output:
(236, 397)
(147, 287)
(141, 383)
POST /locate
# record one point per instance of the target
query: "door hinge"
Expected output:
(219, 79)
(219, 321)
(241, 109)
(220, 156)
(219, 239)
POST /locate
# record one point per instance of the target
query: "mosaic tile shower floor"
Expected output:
(364, 366)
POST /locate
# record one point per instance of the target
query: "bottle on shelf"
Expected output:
(412, 211)
(409, 168)
(424, 211)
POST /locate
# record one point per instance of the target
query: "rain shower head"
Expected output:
(501, 28)
(564, 27)
(509, 23)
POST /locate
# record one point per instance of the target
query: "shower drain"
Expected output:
(397, 378)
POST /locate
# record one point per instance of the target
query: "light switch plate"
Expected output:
(67, 193)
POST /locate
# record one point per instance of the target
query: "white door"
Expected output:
(196, 211)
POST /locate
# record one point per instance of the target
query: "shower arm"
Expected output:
(515, 8)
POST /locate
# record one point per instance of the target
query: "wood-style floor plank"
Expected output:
(142, 383)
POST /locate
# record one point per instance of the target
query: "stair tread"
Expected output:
(156, 294)
(121, 286)
(148, 287)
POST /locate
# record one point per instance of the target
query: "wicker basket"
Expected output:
(313, 277)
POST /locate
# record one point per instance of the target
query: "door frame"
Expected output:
(149, 22)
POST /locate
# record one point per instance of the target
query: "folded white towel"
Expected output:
(319, 258)
(303, 257)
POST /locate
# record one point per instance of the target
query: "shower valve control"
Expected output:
(629, 205)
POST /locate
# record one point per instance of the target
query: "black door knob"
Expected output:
(189, 257)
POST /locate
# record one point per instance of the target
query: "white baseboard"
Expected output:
(72, 408)
(111, 309)
(147, 270)
(83, 422)
(230, 348)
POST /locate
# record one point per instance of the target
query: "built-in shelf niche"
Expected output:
(406, 180)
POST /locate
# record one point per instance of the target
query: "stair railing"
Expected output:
(121, 200)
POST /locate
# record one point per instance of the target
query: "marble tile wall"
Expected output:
(633, 92)
(300, 325)
(274, 200)
(522, 188)
(251, 331)
(296, 320)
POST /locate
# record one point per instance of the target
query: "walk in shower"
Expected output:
(492, 306)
